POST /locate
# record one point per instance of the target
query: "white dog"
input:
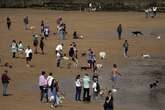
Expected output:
(146, 56)
(102, 55)
(99, 67)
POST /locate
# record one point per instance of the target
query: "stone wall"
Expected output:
(76, 4)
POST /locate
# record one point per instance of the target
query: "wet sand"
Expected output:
(99, 31)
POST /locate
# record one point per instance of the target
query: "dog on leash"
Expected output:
(136, 33)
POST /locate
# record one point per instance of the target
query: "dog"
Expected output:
(83, 54)
(99, 67)
(102, 55)
(136, 33)
(154, 84)
(85, 68)
(146, 56)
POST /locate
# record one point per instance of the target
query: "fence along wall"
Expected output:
(76, 4)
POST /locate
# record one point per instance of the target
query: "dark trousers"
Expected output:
(119, 35)
(8, 25)
(86, 94)
(58, 62)
(44, 93)
(78, 94)
(14, 53)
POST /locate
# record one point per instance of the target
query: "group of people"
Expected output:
(151, 12)
(48, 85)
(18, 48)
(49, 89)
(85, 84)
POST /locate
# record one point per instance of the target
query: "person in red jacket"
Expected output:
(5, 81)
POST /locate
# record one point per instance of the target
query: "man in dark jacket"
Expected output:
(119, 31)
(5, 81)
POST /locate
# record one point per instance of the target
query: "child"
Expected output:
(28, 53)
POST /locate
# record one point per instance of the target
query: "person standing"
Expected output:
(58, 58)
(108, 104)
(42, 45)
(126, 45)
(78, 88)
(8, 22)
(20, 48)
(46, 32)
(96, 88)
(26, 22)
(42, 26)
(28, 53)
(86, 88)
(35, 43)
(5, 81)
(119, 31)
(115, 74)
(49, 79)
(14, 48)
(43, 86)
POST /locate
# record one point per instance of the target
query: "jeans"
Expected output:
(78, 94)
(86, 94)
(5, 85)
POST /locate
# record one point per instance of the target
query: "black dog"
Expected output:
(85, 68)
(154, 85)
(135, 33)
(83, 54)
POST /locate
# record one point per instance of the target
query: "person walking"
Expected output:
(42, 26)
(26, 22)
(28, 53)
(58, 58)
(86, 88)
(42, 45)
(126, 45)
(78, 88)
(5, 82)
(119, 31)
(53, 97)
(43, 85)
(8, 22)
(115, 74)
(108, 104)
